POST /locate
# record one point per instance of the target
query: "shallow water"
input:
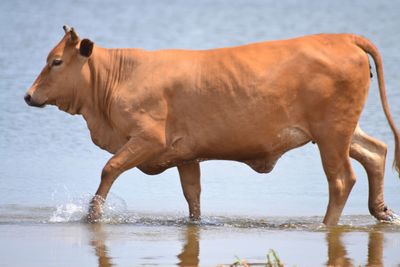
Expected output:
(190, 245)
(58, 236)
(49, 168)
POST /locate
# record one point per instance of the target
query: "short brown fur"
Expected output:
(158, 109)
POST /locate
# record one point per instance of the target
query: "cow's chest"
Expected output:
(105, 136)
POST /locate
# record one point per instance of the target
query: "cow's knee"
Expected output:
(383, 148)
(341, 179)
(370, 152)
(374, 158)
(110, 171)
(381, 153)
(341, 184)
(109, 174)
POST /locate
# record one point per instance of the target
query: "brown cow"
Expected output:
(159, 109)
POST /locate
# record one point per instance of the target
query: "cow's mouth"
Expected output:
(30, 102)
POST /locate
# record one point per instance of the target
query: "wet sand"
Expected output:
(78, 244)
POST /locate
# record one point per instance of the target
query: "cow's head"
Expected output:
(64, 73)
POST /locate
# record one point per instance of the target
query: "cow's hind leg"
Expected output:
(340, 175)
(371, 153)
(189, 174)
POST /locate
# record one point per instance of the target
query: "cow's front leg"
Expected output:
(189, 174)
(133, 153)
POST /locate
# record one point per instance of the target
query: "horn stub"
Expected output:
(74, 35)
(67, 28)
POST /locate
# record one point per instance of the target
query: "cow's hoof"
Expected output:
(95, 210)
(93, 217)
(392, 219)
(94, 214)
(194, 220)
(387, 216)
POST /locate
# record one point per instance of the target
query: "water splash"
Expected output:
(394, 219)
(68, 209)
(116, 212)
(67, 213)
(75, 210)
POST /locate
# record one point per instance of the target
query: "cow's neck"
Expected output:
(110, 69)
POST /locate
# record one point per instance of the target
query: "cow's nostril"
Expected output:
(27, 98)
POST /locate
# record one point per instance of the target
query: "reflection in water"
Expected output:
(337, 253)
(189, 255)
(98, 243)
(375, 249)
(191, 249)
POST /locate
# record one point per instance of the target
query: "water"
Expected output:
(49, 168)
(57, 236)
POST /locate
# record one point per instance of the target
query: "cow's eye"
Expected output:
(56, 62)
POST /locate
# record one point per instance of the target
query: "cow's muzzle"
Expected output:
(28, 99)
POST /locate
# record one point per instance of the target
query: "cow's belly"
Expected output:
(260, 155)
(258, 151)
(289, 138)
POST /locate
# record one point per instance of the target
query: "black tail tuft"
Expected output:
(370, 72)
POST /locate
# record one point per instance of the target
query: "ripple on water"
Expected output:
(67, 209)
(116, 212)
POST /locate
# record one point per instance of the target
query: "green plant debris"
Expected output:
(272, 261)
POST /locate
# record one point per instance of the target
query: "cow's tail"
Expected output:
(371, 49)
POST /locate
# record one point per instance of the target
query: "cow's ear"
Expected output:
(86, 48)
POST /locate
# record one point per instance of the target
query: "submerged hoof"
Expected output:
(392, 219)
(387, 216)
(93, 217)
(95, 210)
